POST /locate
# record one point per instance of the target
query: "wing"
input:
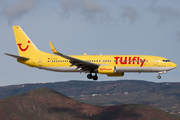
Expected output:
(82, 65)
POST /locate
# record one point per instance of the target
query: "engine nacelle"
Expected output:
(107, 70)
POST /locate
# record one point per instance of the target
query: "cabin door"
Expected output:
(155, 61)
(40, 62)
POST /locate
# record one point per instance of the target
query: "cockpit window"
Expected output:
(166, 60)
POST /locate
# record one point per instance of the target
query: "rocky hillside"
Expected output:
(47, 104)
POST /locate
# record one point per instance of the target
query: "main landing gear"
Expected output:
(95, 77)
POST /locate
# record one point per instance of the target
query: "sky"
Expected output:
(75, 27)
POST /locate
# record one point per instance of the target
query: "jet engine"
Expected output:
(109, 71)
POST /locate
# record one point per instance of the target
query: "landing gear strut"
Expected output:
(95, 77)
(159, 76)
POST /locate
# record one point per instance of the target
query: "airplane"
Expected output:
(111, 65)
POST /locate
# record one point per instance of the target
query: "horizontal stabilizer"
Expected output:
(18, 57)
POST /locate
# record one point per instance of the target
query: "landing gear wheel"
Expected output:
(89, 76)
(95, 77)
(159, 77)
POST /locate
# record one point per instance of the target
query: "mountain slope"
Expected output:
(77, 88)
(47, 104)
(165, 96)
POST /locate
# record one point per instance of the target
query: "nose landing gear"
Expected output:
(161, 72)
(95, 77)
(159, 77)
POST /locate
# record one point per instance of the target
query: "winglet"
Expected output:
(53, 48)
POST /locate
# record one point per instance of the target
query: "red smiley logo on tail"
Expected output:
(22, 48)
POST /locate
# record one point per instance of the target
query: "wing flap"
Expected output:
(18, 57)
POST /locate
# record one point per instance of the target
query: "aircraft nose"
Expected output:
(173, 65)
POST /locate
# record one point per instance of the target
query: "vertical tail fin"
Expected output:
(24, 44)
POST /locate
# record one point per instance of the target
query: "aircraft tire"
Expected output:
(159, 77)
(95, 77)
(89, 76)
